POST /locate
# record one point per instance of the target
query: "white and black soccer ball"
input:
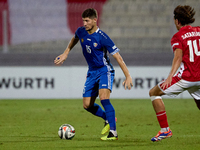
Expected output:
(66, 131)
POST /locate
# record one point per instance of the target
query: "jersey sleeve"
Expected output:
(76, 34)
(109, 44)
(79, 32)
(176, 43)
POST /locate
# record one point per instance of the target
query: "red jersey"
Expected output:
(188, 40)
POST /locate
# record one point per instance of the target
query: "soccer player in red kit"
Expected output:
(186, 47)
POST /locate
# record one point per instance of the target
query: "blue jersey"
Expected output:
(95, 47)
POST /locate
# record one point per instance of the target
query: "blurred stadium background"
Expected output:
(34, 32)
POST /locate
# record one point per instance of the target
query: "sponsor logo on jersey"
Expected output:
(104, 84)
(88, 39)
(95, 44)
(82, 40)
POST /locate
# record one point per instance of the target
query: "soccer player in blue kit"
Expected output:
(95, 45)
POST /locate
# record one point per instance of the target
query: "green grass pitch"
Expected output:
(33, 125)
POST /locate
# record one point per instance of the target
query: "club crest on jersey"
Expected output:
(82, 40)
(95, 44)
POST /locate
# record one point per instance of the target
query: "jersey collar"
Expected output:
(97, 30)
(185, 27)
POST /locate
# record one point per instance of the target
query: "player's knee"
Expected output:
(155, 91)
(154, 95)
(151, 93)
(103, 96)
(86, 106)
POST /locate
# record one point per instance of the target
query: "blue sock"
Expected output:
(97, 111)
(110, 113)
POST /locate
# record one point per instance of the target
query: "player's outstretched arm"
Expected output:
(61, 58)
(175, 65)
(128, 81)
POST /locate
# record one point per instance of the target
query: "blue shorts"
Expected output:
(98, 79)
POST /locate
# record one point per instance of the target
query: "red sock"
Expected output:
(162, 119)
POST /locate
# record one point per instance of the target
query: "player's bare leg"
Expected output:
(88, 102)
(90, 105)
(157, 102)
(159, 107)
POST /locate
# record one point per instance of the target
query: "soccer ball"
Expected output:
(66, 131)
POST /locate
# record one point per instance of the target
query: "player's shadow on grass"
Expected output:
(27, 139)
(102, 144)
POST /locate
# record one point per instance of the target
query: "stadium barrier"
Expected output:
(68, 82)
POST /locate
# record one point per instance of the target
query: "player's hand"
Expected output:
(128, 83)
(166, 83)
(58, 61)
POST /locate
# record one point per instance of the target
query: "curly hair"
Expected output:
(184, 14)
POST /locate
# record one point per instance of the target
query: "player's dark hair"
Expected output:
(90, 13)
(184, 14)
